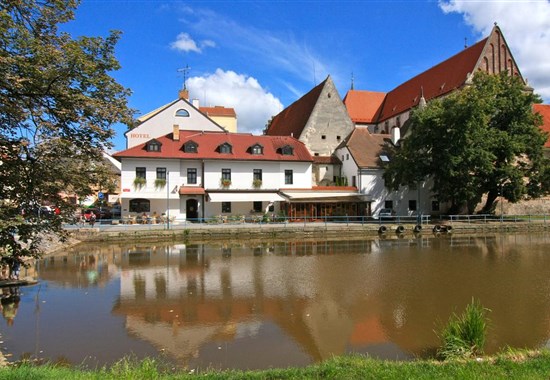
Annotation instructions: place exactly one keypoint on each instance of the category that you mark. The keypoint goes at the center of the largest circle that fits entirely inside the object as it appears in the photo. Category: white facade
(241, 193)
(161, 122)
(370, 182)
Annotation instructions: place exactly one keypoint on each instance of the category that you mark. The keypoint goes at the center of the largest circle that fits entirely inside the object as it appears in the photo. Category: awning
(325, 196)
(191, 190)
(244, 197)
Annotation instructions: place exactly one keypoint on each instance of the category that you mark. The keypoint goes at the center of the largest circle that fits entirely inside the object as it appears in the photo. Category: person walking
(92, 219)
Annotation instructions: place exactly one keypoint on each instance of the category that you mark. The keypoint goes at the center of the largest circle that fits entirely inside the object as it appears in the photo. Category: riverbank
(517, 365)
(196, 232)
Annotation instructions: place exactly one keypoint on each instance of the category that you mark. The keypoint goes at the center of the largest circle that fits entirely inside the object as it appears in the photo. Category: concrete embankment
(204, 232)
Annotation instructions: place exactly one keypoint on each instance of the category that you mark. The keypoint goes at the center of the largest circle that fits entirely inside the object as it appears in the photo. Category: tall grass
(464, 335)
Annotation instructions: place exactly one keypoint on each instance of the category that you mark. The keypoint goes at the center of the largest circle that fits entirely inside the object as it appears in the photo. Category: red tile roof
(439, 80)
(218, 111)
(293, 119)
(326, 160)
(208, 143)
(544, 111)
(363, 106)
(366, 148)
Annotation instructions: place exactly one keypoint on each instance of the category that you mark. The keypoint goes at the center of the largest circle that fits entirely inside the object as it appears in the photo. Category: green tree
(481, 140)
(58, 103)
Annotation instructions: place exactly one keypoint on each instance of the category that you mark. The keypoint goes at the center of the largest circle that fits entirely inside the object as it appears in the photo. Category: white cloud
(185, 43)
(526, 27)
(253, 104)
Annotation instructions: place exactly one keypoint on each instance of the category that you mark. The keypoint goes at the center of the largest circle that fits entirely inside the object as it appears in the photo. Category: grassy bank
(522, 365)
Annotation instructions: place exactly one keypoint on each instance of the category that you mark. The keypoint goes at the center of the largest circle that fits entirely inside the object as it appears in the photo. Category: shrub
(160, 183)
(464, 335)
(139, 182)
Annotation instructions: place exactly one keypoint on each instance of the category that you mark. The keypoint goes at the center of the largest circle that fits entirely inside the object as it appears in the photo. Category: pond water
(260, 305)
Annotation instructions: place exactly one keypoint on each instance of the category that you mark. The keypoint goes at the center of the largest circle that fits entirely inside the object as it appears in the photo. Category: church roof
(439, 80)
(363, 106)
(292, 120)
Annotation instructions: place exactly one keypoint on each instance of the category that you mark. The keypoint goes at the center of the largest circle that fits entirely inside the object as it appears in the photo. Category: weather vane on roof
(185, 71)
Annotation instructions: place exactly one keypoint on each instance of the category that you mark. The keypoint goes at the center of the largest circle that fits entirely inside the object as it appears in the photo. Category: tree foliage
(58, 103)
(482, 140)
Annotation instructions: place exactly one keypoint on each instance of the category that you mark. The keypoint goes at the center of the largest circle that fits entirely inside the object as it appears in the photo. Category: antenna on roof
(185, 70)
(352, 80)
(465, 42)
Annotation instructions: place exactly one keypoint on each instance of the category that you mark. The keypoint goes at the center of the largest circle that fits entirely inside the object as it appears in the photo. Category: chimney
(176, 134)
(196, 103)
(183, 94)
(395, 135)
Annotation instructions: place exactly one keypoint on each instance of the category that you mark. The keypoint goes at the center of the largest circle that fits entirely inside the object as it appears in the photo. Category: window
(140, 205)
(338, 138)
(435, 205)
(226, 206)
(257, 206)
(398, 121)
(316, 154)
(388, 204)
(287, 150)
(257, 149)
(353, 181)
(182, 113)
(226, 174)
(347, 156)
(192, 176)
(225, 148)
(257, 174)
(342, 157)
(412, 204)
(153, 146)
(271, 207)
(384, 158)
(323, 137)
(161, 173)
(190, 147)
(289, 177)
(140, 172)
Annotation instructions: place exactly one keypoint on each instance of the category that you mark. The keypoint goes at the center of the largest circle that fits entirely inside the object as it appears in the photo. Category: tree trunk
(490, 204)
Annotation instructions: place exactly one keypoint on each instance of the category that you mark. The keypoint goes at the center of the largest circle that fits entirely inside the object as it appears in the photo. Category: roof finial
(465, 42)
(422, 101)
(185, 70)
(352, 80)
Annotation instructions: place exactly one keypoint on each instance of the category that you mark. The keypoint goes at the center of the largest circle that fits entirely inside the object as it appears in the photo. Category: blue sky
(260, 56)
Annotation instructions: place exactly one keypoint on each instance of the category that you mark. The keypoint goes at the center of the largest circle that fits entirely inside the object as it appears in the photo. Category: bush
(464, 335)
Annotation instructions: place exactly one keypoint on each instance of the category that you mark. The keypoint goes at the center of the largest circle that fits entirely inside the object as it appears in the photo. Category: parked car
(385, 213)
(102, 213)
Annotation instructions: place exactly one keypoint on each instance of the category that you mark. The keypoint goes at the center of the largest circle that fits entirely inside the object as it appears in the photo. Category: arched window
(287, 150)
(190, 147)
(153, 146)
(182, 113)
(140, 205)
(225, 148)
(257, 149)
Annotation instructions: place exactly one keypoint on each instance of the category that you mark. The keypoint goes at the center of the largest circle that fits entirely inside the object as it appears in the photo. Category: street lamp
(167, 200)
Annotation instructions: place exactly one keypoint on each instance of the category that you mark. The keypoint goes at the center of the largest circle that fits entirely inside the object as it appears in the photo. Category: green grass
(516, 365)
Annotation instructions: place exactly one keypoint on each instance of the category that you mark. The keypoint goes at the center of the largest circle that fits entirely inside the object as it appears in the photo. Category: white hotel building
(190, 174)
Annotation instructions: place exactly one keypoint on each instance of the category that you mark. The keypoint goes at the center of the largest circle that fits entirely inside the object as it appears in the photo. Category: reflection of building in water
(90, 266)
(185, 298)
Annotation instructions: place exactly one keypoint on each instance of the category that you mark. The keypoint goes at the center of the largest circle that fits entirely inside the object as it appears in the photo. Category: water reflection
(284, 304)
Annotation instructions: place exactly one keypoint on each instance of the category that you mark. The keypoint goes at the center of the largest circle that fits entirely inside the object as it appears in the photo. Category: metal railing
(250, 221)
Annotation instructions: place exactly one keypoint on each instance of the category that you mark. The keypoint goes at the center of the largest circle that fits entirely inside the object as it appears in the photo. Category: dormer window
(287, 150)
(153, 146)
(182, 113)
(190, 147)
(257, 149)
(225, 148)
